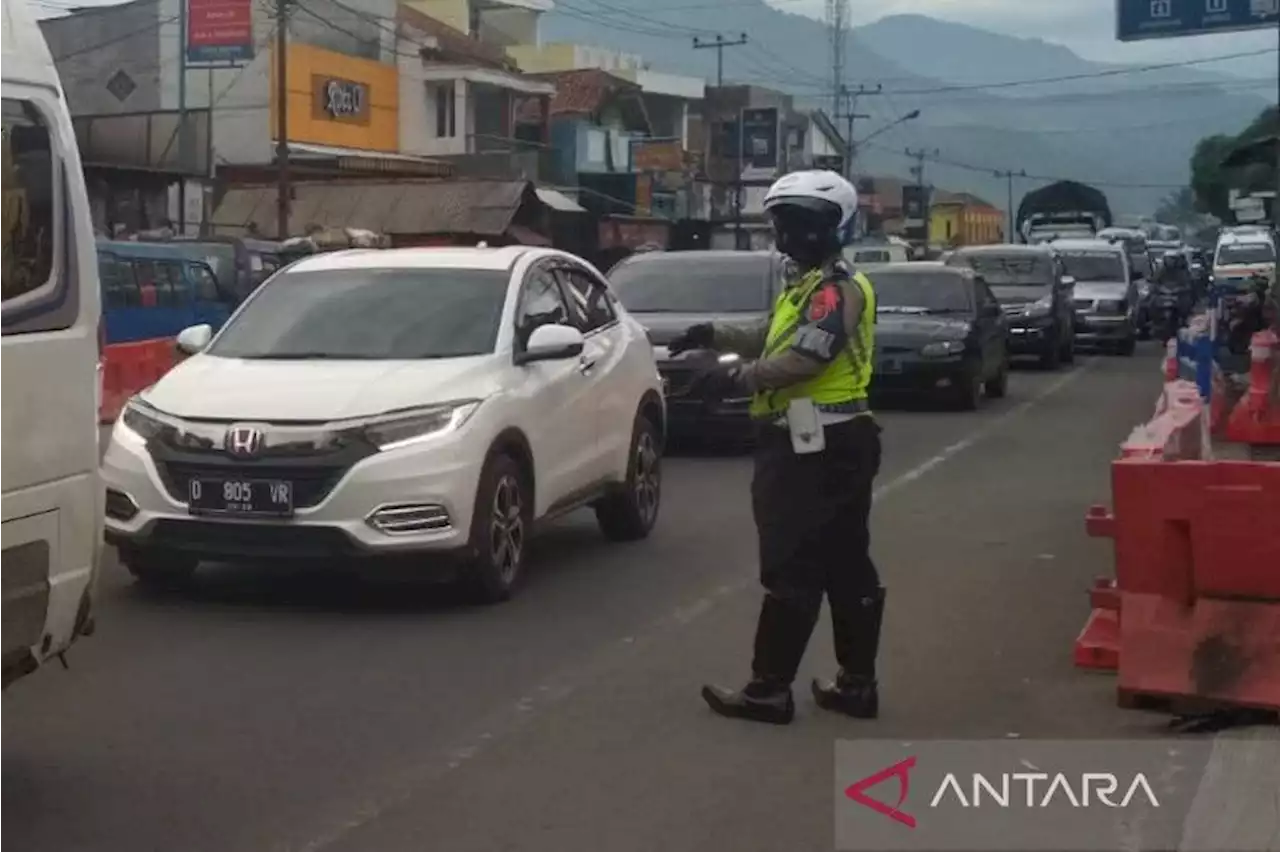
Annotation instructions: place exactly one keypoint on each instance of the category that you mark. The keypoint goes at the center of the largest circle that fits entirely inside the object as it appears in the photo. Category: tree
(1179, 208)
(1211, 183)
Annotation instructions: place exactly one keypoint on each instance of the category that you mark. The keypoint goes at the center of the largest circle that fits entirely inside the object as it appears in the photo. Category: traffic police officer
(817, 454)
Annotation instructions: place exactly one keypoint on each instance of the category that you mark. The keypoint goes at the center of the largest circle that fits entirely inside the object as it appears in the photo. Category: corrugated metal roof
(557, 200)
(422, 207)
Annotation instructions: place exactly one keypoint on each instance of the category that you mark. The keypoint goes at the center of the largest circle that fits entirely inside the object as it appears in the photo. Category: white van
(868, 254)
(49, 316)
(1242, 253)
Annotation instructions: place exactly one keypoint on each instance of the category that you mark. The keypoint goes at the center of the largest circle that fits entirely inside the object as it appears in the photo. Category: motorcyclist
(817, 454)
(1172, 296)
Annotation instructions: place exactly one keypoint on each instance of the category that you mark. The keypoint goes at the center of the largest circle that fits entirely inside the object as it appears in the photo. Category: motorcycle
(1168, 311)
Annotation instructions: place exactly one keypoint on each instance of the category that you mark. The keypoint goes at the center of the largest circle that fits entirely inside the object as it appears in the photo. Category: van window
(119, 285)
(29, 200)
(875, 256)
(205, 282)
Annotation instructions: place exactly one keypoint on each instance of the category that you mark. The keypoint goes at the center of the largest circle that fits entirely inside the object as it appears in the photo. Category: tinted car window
(932, 292)
(29, 215)
(1246, 253)
(1007, 270)
(1093, 266)
(541, 303)
(692, 284)
(369, 314)
(589, 305)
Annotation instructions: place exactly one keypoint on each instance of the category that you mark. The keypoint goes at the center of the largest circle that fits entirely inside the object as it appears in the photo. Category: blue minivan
(154, 290)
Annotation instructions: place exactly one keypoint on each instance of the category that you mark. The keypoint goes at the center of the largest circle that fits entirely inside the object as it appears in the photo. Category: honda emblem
(243, 441)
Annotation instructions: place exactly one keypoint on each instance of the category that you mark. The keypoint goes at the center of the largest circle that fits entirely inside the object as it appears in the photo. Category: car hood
(1101, 289)
(893, 327)
(205, 386)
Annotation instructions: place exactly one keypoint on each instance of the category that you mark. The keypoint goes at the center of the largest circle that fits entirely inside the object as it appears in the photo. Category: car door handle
(586, 365)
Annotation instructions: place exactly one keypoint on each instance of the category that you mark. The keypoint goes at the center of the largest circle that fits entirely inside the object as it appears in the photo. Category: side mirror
(194, 339)
(551, 342)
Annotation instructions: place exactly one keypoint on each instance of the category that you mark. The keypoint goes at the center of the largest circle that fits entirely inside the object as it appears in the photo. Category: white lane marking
(506, 722)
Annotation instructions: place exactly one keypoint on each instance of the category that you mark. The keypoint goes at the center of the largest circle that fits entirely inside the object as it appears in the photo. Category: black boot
(857, 639)
(759, 701)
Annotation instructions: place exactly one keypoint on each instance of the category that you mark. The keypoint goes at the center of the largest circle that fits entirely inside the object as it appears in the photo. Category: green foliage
(1211, 183)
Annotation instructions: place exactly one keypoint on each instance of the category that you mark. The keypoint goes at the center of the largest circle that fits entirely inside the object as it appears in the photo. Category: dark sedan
(939, 331)
(670, 291)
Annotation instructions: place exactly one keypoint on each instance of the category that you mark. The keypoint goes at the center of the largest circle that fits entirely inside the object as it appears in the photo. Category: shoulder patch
(824, 302)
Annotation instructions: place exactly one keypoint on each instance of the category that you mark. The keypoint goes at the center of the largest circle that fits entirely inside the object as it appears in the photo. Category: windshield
(692, 284)
(1246, 253)
(1093, 266)
(369, 314)
(1008, 270)
(926, 293)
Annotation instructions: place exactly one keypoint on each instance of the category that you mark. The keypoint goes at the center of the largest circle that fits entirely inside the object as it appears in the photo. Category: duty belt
(851, 408)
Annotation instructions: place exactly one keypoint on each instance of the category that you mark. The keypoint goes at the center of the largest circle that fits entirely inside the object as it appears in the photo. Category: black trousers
(811, 514)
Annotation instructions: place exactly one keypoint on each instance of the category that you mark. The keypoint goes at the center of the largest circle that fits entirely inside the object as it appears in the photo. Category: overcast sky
(1085, 26)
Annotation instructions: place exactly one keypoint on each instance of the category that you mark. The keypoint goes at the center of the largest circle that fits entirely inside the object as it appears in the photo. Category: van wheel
(157, 569)
(500, 531)
(630, 512)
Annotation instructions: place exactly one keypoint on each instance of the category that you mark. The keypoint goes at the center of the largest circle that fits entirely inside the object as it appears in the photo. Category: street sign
(1137, 20)
(760, 128)
(219, 31)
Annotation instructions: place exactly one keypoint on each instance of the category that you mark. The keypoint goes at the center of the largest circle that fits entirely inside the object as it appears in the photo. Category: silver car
(1106, 296)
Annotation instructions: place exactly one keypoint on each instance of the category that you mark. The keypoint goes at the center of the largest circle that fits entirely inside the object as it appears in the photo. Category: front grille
(311, 483)
(252, 540)
(1083, 304)
(1112, 307)
(1011, 309)
(677, 380)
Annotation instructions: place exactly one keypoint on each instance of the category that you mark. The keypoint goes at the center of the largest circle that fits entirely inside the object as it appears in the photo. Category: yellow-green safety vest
(846, 378)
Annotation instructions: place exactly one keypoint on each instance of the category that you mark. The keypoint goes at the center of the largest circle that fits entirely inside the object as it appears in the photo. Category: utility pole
(851, 100)
(917, 171)
(718, 46)
(184, 144)
(1009, 175)
(282, 120)
(837, 20)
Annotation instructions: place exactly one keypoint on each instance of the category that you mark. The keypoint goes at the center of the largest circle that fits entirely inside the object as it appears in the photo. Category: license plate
(891, 365)
(272, 497)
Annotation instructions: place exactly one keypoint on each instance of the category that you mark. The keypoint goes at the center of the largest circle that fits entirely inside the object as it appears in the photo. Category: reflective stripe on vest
(846, 378)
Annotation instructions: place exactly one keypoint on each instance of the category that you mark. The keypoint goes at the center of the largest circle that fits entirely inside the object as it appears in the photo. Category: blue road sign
(1143, 19)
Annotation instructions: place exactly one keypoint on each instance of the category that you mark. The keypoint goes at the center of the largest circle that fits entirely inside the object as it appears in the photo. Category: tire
(630, 512)
(500, 530)
(1127, 347)
(157, 569)
(969, 396)
(997, 387)
(1051, 358)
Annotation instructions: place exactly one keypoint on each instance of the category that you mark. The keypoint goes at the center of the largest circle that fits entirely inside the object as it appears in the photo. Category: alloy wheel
(506, 528)
(648, 478)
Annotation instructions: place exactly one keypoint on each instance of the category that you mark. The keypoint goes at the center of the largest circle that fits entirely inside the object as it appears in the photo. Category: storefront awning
(364, 160)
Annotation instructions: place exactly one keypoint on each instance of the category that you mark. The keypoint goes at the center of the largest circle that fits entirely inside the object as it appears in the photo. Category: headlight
(143, 420)
(943, 348)
(408, 427)
(729, 358)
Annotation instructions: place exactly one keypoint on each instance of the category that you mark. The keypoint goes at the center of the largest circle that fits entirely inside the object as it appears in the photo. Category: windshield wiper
(901, 309)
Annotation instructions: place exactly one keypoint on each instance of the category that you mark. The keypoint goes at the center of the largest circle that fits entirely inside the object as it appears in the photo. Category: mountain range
(1129, 133)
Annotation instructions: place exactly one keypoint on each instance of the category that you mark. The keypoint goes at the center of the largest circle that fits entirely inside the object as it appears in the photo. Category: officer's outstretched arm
(825, 329)
(745, 340)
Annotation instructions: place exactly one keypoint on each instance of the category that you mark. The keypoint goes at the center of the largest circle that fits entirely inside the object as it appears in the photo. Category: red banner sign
(219, 31)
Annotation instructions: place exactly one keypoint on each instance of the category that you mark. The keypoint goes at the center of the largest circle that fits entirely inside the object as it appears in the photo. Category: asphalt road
(289, 711)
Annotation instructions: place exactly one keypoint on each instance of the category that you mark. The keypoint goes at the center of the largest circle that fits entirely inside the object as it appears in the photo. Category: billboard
(760, 138)
(219, 31)
(915, 212)
(1146, 19)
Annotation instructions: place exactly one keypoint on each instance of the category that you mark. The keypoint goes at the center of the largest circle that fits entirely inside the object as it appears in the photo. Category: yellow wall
(964, 225)
(379, 132)
(546, 59)
(944, 223)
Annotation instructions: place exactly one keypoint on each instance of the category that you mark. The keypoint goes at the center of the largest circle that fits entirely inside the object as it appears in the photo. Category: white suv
(403, 403)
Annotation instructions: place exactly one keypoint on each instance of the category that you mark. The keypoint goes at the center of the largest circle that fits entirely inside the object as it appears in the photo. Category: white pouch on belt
(807, 434)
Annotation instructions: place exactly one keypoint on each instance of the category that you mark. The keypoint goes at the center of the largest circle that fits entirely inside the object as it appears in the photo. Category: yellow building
(961, 219)
(340, 100)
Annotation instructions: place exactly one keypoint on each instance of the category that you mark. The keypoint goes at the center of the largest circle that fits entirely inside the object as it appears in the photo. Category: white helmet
(810, 189)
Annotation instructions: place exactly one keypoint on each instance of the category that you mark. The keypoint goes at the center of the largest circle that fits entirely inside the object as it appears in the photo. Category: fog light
(120, 506)
(404, 518)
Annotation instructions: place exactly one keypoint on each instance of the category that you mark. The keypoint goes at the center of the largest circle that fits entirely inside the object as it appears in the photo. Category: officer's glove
(700, 336)
(718, 382)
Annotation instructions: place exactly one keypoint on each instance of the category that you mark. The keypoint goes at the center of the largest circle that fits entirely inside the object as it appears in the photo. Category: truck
(1060, 210)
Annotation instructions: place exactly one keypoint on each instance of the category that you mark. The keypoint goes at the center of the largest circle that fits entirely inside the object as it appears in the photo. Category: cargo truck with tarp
(1062, 210)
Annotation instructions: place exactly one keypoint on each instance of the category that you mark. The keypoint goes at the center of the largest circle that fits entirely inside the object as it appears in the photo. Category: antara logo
(1007, 790)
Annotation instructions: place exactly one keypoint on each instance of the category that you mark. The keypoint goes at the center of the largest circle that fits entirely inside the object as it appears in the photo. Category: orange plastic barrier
(1256, 418)
(128, 368)
(1174, 431)
(1197, 589)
